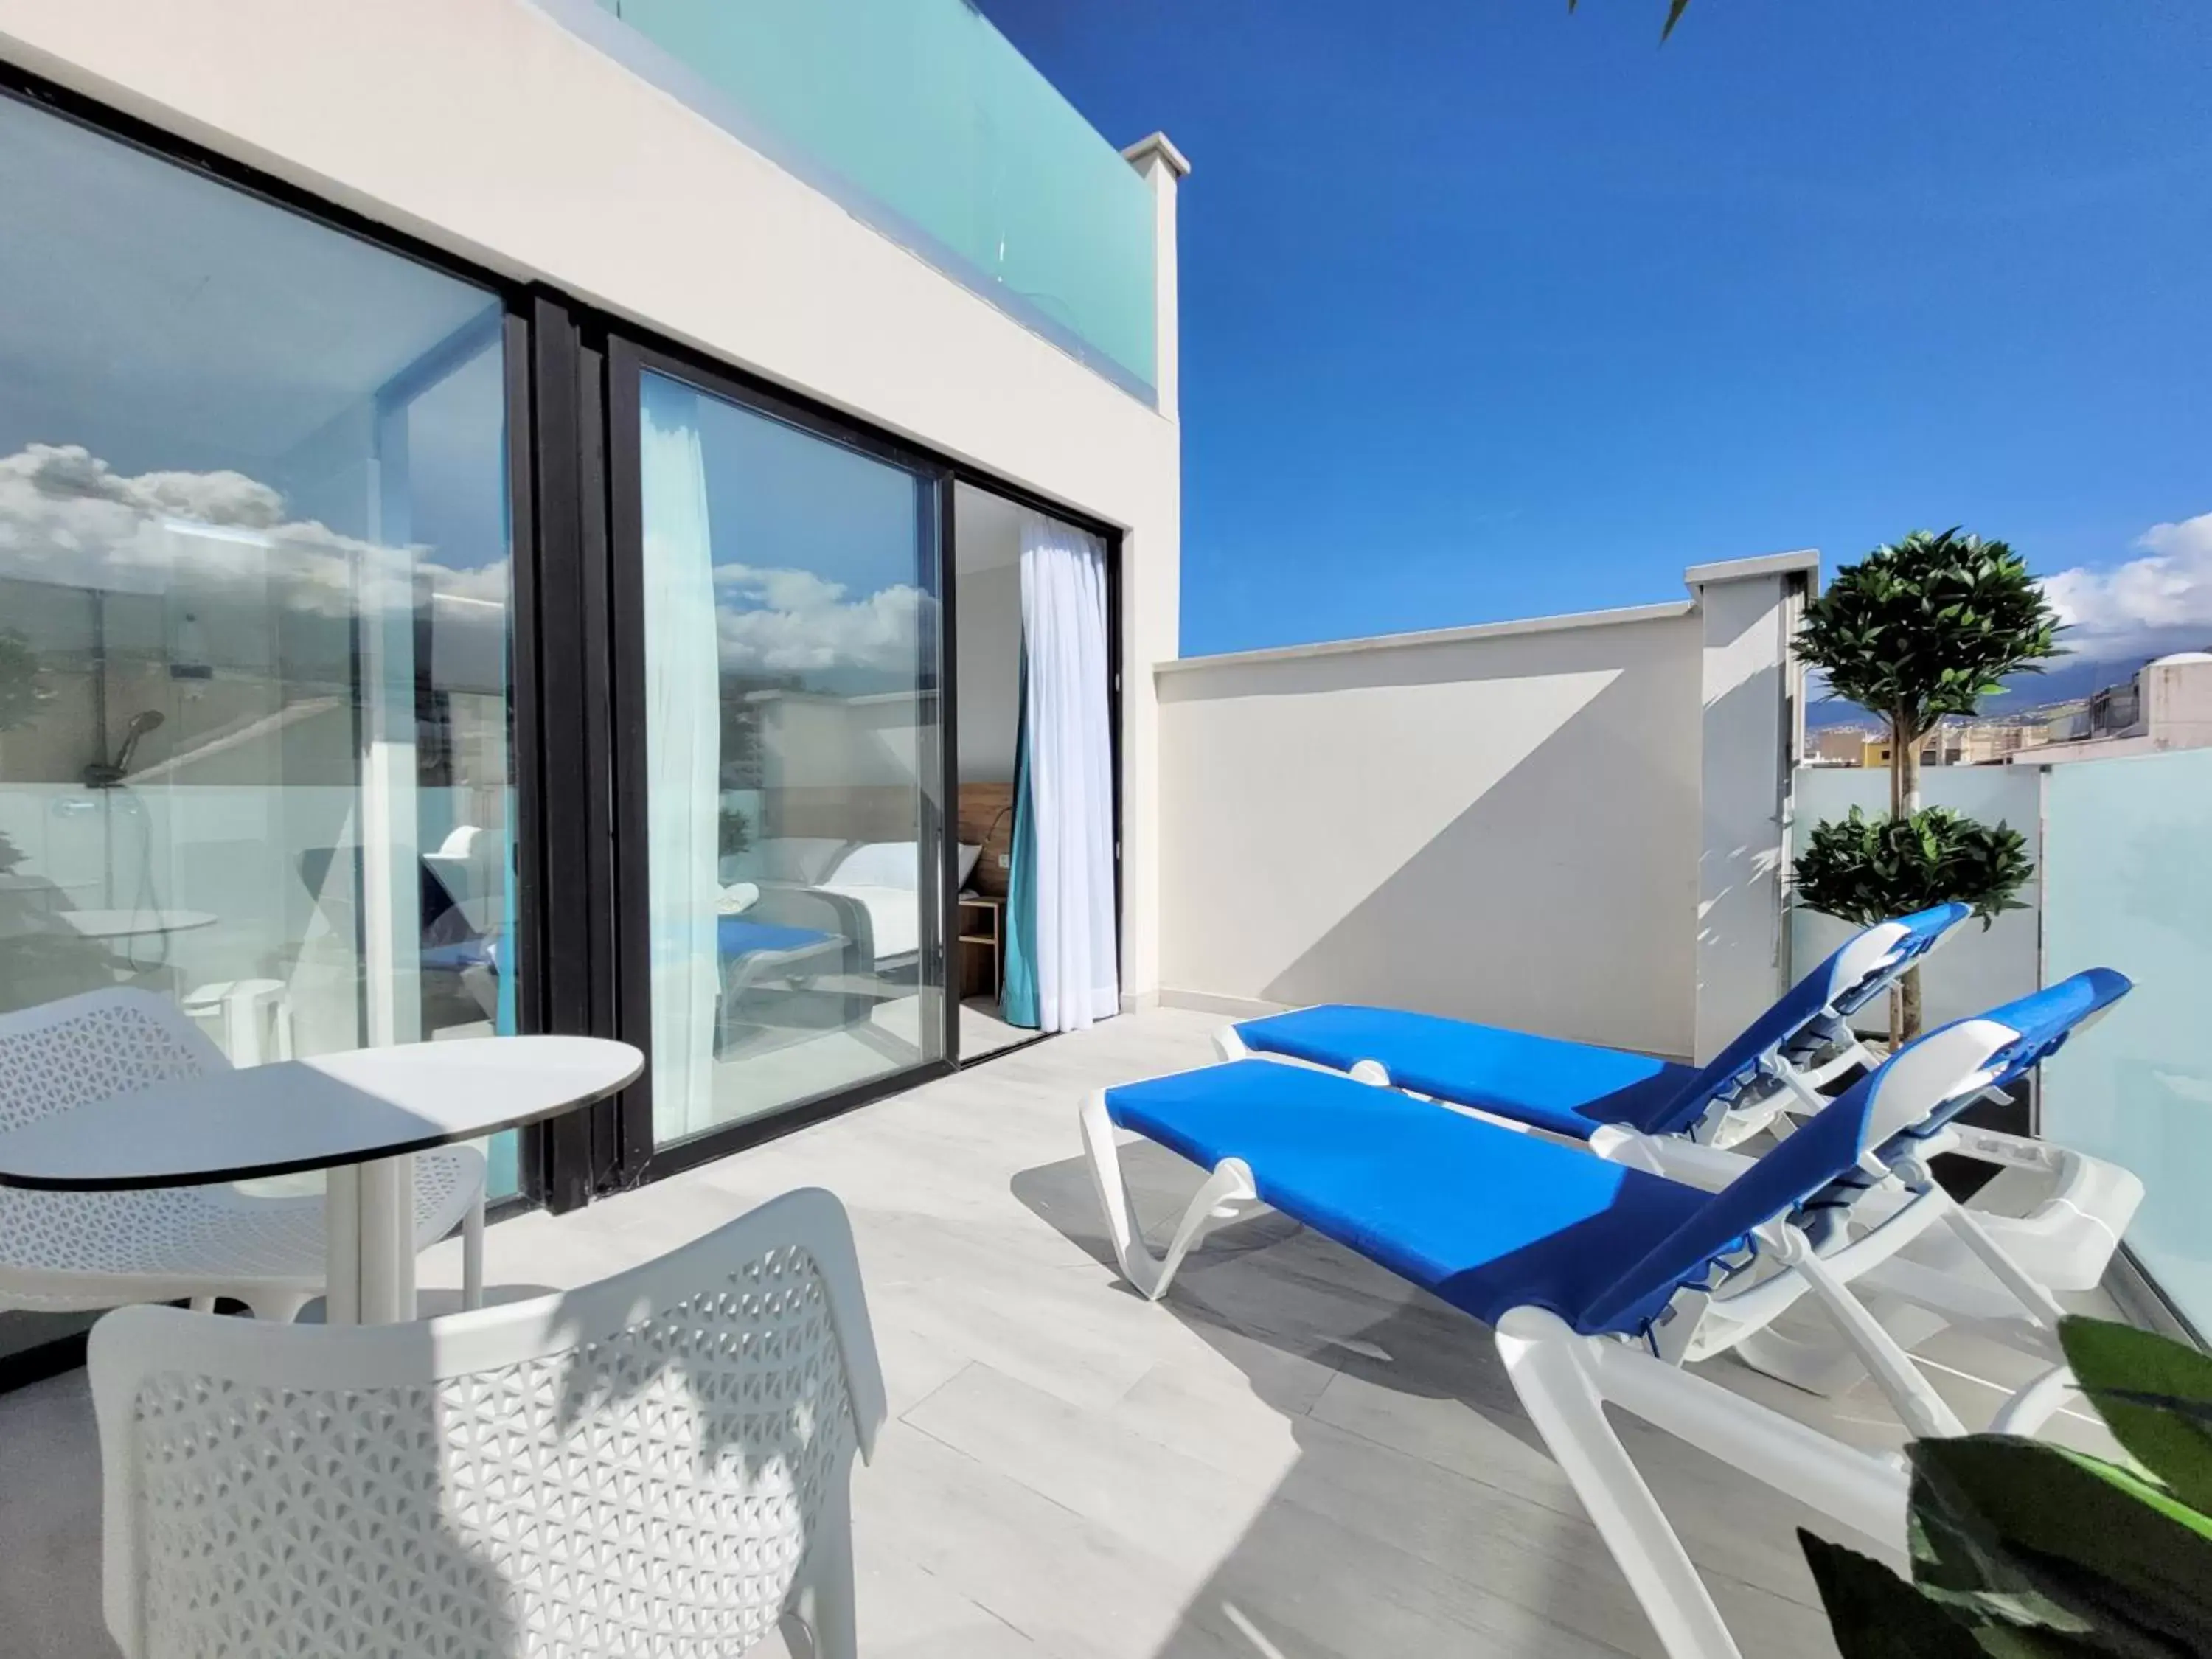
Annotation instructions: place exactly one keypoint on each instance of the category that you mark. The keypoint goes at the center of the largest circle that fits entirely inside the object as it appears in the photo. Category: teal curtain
(1019, 1004)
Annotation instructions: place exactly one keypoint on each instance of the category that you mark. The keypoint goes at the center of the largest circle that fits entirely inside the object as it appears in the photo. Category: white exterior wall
(1496, 823)
(1574, 826)
(1752, 701)
(2177, 694)
(484, 127)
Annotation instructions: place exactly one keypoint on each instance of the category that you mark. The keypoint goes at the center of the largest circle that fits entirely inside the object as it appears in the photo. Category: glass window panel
(2126, 885)
(792, 742)
(254, 607)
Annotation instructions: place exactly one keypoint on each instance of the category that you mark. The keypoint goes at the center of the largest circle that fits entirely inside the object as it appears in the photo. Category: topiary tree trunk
(1904, 803)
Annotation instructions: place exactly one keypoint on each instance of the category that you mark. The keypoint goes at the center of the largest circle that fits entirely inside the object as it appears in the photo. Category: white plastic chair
(657, 1463)
(63, 1252)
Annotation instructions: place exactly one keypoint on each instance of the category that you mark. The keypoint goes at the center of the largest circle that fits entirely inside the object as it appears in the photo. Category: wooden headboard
(984, 821)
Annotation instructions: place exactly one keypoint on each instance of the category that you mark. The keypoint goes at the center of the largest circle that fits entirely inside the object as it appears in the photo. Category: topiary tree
(736, 833)
(23, 688)
(1867, 869)
(1916, 631)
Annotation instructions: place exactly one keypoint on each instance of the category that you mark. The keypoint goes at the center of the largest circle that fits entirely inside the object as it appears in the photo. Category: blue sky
(1492, 312)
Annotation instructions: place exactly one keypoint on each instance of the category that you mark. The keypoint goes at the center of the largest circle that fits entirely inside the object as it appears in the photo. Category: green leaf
(2155, 1394)
(1867, 869)
(1877, 1615)
(2023, 1533)
(1929, 626)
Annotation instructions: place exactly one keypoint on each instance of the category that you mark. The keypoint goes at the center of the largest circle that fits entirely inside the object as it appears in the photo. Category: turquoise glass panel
(2127, 883)
(924, 119)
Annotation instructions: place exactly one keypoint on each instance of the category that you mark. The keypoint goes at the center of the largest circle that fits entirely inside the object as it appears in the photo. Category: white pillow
(879, 864)
(738, 898)
(967, 857)
(805, 860)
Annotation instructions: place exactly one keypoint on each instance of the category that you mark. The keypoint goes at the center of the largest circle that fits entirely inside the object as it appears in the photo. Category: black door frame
(625, 1123)
(630, 355)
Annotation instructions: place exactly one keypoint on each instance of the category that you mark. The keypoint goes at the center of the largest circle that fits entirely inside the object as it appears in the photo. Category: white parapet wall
(1572, 826)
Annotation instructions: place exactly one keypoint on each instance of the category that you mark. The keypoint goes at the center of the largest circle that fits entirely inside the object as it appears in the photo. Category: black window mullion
(944, 534)
(572, 926)
(631, 938)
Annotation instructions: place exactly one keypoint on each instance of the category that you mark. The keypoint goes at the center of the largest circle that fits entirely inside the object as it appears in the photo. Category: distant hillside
(2068, 680)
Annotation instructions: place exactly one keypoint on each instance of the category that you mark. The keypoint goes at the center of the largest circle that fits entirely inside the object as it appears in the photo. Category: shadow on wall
(1419, 1502)
(1739, 964)
(1502, 828)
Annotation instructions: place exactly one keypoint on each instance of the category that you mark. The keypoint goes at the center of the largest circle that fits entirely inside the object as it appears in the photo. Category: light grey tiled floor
(1293, 1457)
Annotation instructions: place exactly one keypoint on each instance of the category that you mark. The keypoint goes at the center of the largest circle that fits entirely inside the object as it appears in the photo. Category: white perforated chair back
(656, 1463)
(63, 1250)
(61, 1056)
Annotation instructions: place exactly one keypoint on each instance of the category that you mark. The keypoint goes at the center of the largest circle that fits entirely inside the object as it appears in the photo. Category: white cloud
(782, 621)
(67, 517)
(2160, 601)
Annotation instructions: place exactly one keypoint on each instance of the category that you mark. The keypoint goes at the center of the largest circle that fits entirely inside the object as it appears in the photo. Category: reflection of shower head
(106, 775)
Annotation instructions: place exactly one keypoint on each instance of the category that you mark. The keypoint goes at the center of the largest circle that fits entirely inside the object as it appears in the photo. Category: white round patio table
(361, 1115)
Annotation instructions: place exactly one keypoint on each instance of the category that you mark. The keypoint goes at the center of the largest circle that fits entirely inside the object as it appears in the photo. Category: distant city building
(1838, 745)
(1941, 747)
(2168, 704)
(1987, 742)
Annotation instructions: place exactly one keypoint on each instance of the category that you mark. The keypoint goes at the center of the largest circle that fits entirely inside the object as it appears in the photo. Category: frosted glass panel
(921, 117)
(2128, 884)
(1974, 969)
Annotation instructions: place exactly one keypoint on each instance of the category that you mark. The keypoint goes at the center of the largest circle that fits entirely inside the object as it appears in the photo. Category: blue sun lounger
(1602, 1279)
(1779, 1062)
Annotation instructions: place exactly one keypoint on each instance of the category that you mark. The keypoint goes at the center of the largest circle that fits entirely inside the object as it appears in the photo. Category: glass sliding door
(793, 765)
(254, 611)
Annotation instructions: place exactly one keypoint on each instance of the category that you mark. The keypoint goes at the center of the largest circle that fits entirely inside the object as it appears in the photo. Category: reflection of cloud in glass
(68, 517)
(781, 620)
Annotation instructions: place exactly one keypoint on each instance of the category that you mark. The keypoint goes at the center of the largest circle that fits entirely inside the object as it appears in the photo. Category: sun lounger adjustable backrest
(1859, 970)
(2041, 1023)
(1818, 1169)
(2026, 1031)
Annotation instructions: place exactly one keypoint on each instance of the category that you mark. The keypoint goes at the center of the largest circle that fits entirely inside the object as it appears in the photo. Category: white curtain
(683, 746)
(1068, 734)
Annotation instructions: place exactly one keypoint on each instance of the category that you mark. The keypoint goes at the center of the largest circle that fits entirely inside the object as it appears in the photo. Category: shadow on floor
(1421, 1499)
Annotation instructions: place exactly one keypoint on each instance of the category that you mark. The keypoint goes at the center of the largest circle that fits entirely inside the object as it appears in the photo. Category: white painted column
(1151, 563)
(1752, 730)
(1163, 167)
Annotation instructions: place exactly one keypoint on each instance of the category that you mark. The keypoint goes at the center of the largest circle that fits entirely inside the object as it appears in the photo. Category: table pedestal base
(369, 1217)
